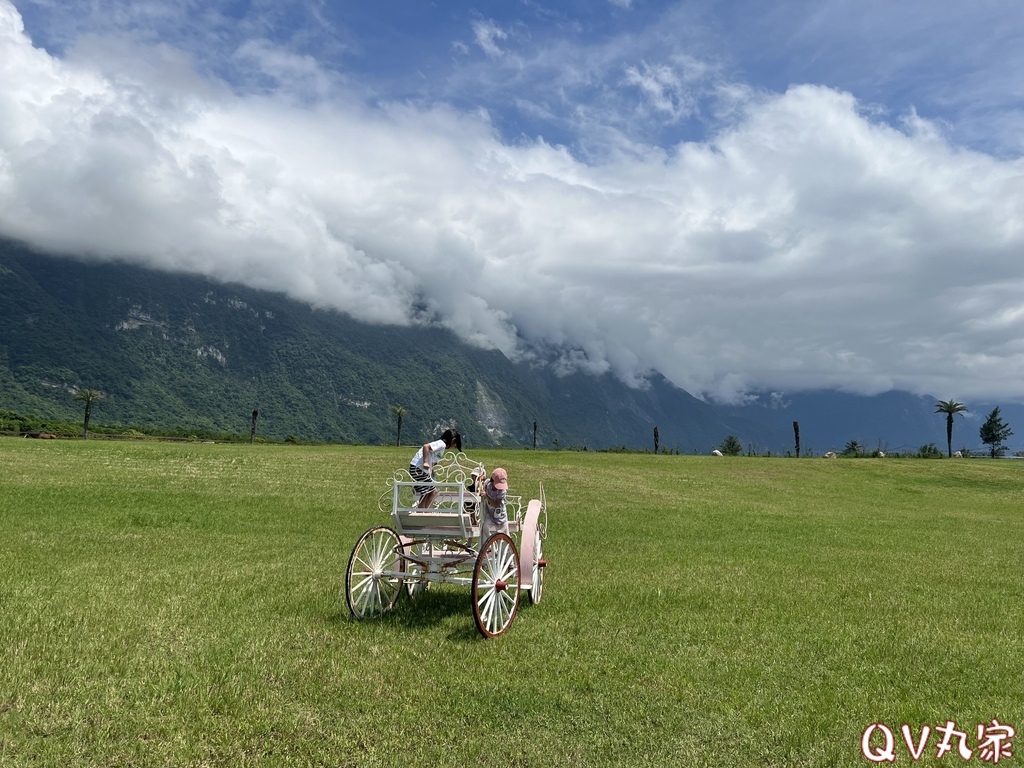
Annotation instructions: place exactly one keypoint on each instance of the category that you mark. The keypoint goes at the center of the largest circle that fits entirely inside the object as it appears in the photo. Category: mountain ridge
(178, 350)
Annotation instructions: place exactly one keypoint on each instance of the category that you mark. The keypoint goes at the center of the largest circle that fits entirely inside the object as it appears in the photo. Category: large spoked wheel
(496, 585)
(537, 589)
(414, 587)
(373, 581)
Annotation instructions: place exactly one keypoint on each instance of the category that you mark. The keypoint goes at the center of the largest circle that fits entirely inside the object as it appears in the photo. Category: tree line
(994, 432)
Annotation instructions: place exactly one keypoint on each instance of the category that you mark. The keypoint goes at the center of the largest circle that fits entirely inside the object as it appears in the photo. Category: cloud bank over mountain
(806, 239)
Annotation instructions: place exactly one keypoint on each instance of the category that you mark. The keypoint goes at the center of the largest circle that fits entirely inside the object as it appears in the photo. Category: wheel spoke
(506, 602)
(358, 596)
(369, 599)
(359, 584)
(508, 561)
(497, 563)
(502, 611)
(379, 545)
(485, 601)
(485, 607)
(365, 595)
(493, 618)
(485, 617)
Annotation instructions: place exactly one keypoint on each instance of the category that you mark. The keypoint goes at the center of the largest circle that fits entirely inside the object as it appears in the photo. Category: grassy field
(181, 605)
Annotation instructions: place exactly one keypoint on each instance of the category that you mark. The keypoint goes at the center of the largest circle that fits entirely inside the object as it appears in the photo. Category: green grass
(181, 605)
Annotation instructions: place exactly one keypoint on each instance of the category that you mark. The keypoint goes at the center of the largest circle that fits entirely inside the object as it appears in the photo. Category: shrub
(731, 446)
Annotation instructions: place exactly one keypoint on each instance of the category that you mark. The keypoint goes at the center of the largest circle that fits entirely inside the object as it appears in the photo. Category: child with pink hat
(494, 520)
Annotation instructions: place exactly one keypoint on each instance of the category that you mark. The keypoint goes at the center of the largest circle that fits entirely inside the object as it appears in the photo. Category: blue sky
(649, 69)
(741, 195)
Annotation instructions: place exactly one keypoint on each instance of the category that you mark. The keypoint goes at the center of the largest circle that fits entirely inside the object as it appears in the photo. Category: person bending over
(422, 464)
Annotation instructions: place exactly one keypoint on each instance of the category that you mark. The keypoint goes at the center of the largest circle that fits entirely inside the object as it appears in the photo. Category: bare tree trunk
(655, 440)
(535, 435)
(252, 432)
(796, 434)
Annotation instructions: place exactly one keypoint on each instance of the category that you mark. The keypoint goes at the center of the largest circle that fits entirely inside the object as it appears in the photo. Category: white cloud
(620, 92)
(302, 73)
(805, 245)
(663, 89)
(487, 34)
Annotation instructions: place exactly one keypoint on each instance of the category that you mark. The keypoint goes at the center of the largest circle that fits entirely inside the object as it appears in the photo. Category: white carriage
(441, 545)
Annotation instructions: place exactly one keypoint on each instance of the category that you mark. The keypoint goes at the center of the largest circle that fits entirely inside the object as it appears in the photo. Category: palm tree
(88, 396)
(399, 411)
(949, 407)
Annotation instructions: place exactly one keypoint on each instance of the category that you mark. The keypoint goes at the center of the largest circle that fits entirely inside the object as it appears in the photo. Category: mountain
(182, 351)
(179, 351)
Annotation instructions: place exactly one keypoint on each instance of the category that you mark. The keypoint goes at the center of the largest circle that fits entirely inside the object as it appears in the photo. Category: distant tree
(950, 408)
(399, 411)
(796, 434)
(88, 396)
(731, 446)
(994, 433)
(853, 448)
(252, 432)
(655, 440)
(929, 451)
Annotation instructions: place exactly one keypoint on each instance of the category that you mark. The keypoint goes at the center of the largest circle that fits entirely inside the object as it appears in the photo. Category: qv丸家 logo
(993, 744)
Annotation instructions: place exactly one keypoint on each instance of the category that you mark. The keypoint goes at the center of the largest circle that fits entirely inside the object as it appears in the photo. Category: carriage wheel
(496, 586)
(413, 586)
(537, 589)
(373, 581)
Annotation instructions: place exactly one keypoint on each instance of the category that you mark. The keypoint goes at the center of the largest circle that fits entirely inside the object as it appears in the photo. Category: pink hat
(499, 479)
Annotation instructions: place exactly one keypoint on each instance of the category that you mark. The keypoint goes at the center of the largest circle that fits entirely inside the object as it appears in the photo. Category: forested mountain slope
(178, 351)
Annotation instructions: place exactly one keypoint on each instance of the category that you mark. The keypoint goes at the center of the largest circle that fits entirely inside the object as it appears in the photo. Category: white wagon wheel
(496, 585)
(539, 564)
(373, 580)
